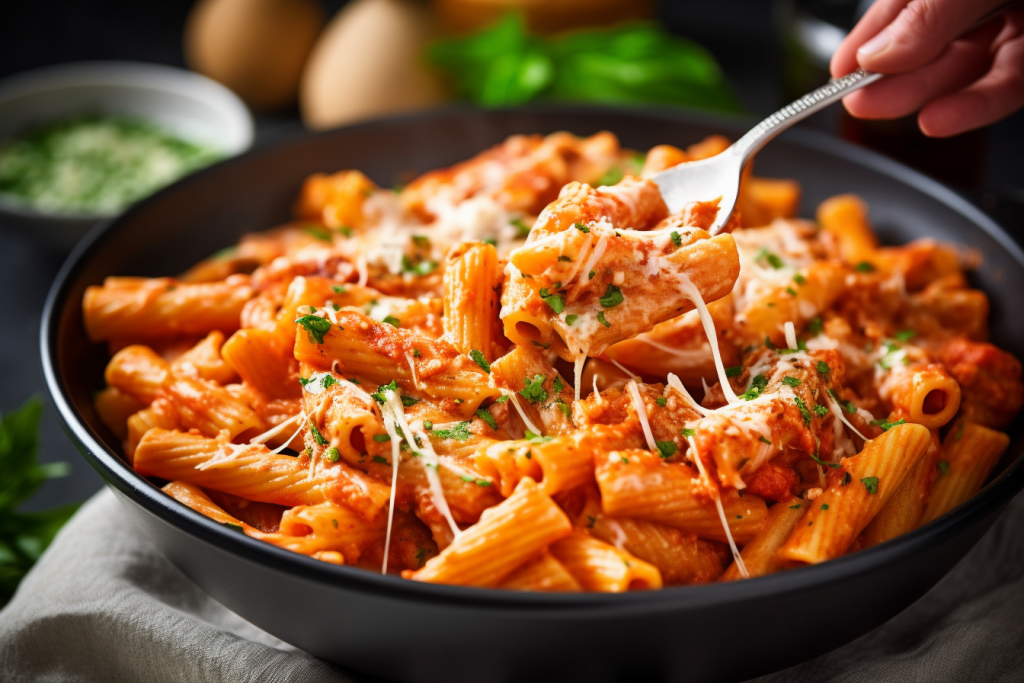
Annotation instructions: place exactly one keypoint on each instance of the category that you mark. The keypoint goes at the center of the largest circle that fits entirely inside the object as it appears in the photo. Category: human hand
(956, 81)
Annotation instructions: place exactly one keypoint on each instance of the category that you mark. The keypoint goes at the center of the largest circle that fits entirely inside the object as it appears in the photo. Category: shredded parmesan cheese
(790, 334)
(274, 431)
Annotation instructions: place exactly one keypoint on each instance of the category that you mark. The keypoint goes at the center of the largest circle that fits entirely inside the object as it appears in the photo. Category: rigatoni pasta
(512, 375)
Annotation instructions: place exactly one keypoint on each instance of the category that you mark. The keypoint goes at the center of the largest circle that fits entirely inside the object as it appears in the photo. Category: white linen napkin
(104, 605)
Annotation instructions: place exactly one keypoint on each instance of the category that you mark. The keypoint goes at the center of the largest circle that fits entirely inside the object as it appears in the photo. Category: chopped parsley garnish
(501, 399)
(772, 260)
(687, 432)
(799, 279)
(415, 353)
(820, 410)
(757, 386)
(332, 454)
(846, 479)
(316, 327)
(821, 462)
(601, 319)
(554, 301)
(804, 413)
(591, 275)
(409, 401)
(791, 292)
(666, 448)
(612, 297)
(339, 289)
(392, 320)
(790, 381)
(381, 460)
(582, 228)
(557, 384)
(421, 240)
(768, 343)
(886, 426)
(815, 326)
(734, 371)
(796, 507)
(848, 406)
(486, 416)
(570, 319)
(319, 234)
(824, 506)
(534, 391)
(536, 438)
(893, 354)
(522, 229)
(233, 527)
(382, 438)
(539, 345)
(491, 241)
(823, 368)
(590, 523)
(661, 401)
(353, 380)
(317, 436)
(871, 484)
(428, 425)
(478, 358)
(905, 335)
(564, 259)
(764, 440)
(344, 230)
(459, 432)
(562, 406)
(380, 395)
(864, 267)
(943, 466)
(676, 239)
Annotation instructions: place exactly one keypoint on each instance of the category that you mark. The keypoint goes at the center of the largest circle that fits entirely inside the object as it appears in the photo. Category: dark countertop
(38, 34)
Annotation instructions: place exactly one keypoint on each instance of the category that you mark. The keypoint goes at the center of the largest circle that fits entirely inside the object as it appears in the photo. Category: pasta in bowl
(488, 378)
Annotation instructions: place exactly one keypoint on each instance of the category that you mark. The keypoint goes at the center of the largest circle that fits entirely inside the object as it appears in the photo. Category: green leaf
(24, 536)
(459, 432)
(666, 448)
(486, 416)
(534, 391)
(478, 358)
(871, 484)
(612, 297)
(554, 301)
(315, 326)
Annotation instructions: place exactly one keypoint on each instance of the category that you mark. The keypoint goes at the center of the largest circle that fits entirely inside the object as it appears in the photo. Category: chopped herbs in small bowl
(81, 142)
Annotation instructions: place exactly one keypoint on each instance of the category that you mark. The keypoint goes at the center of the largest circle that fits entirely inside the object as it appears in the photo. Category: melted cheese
(791, 341)
(526, 420)
(302, 425)
(578, 374)
(389, 427)
(274, 431)
(675, 383)
(693, 294)
(641, 412)
(716, 494)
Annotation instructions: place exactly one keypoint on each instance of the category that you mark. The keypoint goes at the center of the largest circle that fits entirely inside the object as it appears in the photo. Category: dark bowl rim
(118, 474)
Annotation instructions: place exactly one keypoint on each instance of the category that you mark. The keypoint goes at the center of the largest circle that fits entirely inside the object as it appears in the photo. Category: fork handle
(837, 88)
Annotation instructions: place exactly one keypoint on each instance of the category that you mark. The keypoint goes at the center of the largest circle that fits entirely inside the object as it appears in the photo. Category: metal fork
(719, 176)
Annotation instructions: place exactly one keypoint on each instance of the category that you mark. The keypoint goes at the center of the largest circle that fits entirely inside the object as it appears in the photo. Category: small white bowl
(189, 105)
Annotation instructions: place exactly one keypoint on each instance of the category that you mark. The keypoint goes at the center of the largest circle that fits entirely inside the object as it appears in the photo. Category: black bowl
(410, 631)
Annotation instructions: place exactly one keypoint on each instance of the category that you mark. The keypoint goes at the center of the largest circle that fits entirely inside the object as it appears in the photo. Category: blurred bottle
(543, 16)
(813, 30)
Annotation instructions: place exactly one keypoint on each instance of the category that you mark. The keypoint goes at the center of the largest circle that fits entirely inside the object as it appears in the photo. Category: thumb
(920, 33)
